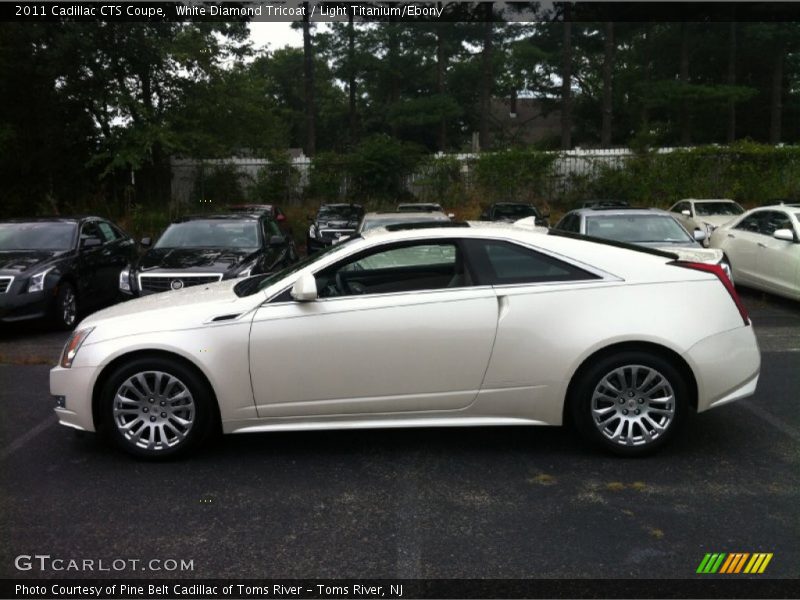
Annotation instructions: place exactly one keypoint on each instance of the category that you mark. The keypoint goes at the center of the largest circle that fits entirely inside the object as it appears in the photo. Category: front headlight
(312, 232)
(73, 345)
(36, 283)
(125, 280)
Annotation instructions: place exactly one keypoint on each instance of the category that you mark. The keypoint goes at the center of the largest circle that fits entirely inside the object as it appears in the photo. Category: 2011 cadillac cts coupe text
(443, 326)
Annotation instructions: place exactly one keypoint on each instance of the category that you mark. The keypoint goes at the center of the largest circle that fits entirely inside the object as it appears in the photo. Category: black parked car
(509, 212)
(332, 222)
(208, 248)
(59, 268)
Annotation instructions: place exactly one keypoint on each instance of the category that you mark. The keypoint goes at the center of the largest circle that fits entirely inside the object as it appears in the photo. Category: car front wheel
(65, 311)
(630, 403)
(156, 408)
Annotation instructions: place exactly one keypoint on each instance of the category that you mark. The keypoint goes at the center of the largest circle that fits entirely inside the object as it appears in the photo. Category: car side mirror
(786, 235)
(91, 242)
(146, 242)
(451, 216)
(686, 213)
(305, 288)
(277, 240)
(699, 235)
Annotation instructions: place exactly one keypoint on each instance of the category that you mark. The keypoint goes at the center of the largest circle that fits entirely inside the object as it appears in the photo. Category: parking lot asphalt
(513, 502)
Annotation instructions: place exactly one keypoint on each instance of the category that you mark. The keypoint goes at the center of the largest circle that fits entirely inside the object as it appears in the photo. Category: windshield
(37, 236)
(418, 207)
(252, 285)
(210, 233)
(340, 213)
(707, 209)
(637, 229)
(518, 211)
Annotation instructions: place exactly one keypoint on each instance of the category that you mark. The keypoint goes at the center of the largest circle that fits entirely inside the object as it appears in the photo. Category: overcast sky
(276, 35)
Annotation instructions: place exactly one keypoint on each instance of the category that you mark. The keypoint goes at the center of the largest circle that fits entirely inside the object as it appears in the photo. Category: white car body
(471, 355)
(697, 219)
(757, 257)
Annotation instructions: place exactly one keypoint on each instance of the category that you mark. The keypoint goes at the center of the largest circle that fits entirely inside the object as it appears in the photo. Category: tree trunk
(608, 97)
(566, 82)
(486, 78)
(441, 67)
(308, 80)
(776, 104)
(685, 129)
(731, 133)
(351, 76)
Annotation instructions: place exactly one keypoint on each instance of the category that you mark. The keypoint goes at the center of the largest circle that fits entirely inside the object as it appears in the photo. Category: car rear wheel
(65, 311)
(156, 408)
(630, 403)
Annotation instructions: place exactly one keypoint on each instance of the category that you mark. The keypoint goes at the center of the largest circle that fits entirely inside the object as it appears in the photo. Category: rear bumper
(726, 366)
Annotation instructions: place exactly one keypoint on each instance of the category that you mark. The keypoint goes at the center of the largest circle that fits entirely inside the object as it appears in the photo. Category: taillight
(717, 270)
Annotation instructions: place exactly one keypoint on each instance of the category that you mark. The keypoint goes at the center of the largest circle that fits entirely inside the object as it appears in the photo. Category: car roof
(341, 205)
(618, 211)
(405, 216)
(512, 204)
(708, 200)
(73, 219)
(223, 217)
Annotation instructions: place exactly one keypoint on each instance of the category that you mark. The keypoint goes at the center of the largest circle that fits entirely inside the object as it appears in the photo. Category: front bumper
(726, 365)
(75, 386)
(22, 307)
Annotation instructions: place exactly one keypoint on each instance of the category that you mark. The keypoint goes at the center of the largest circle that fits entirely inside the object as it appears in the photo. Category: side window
(504, 263)
(271, 228)
(773, 220)
(109, 235)
(751, 223)
(396, 268)
(90, 229)
(570, 223)
(680, 207)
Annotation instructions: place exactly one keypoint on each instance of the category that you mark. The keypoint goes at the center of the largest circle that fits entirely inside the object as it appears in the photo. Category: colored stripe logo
(734, 563)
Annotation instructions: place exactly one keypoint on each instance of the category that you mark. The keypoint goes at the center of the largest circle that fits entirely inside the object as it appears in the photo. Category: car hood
(181, 309)
(217, 260)
(19, 261)
(715, 220)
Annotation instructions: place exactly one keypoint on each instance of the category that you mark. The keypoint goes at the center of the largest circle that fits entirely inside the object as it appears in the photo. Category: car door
(778, 260)
(527, 370)
(116, 253)
(397, 328)
(740, 244)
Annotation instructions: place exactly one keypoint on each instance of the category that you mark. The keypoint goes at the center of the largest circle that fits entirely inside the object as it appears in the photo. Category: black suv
(208, 248)
(332, 222)
(508, 212)
(60, 267)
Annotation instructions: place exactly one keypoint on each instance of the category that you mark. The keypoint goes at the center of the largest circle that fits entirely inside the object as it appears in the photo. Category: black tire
(65, 309)
(160, 411)
(645, 404)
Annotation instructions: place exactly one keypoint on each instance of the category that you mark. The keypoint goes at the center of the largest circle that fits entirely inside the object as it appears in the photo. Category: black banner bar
(403, 11)
(735, 586)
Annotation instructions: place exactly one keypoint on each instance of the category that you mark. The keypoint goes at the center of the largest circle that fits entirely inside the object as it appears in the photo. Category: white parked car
(763, 248)
(459, 325)
(705, 214)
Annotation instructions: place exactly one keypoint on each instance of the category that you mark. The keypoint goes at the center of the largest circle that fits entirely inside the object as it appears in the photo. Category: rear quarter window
(505, 263)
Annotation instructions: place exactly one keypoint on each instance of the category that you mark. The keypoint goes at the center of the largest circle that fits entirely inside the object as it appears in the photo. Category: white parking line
(774, 421)
(27, 437)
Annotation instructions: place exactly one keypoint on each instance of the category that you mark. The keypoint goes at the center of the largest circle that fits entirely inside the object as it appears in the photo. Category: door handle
(730, 235)
(760, 245)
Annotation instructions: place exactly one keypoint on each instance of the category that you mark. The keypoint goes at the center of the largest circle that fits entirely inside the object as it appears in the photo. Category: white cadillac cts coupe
(419, 326)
